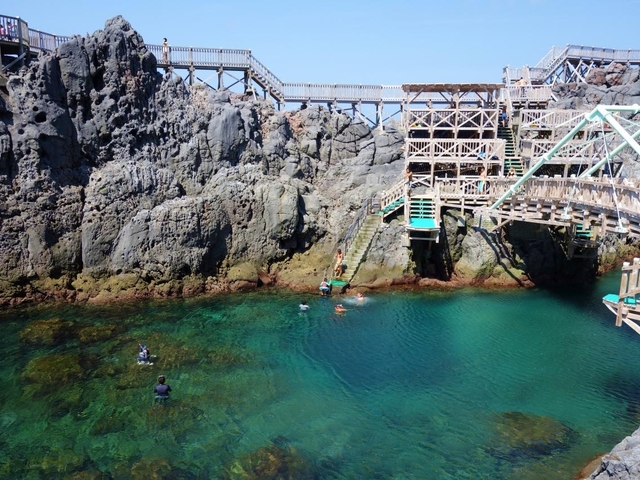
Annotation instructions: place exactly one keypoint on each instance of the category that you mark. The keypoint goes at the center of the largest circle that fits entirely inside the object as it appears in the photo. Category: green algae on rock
(47, 332)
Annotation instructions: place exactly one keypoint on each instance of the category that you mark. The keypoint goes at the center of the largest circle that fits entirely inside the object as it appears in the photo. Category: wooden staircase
(392, 199)
(511, 157)
(359, 247)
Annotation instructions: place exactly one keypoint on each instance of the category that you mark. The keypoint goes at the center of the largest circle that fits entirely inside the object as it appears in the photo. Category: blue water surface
(469, 384)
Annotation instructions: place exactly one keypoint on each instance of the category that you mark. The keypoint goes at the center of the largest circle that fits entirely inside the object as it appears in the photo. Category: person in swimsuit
(325, 288)
(339, 259)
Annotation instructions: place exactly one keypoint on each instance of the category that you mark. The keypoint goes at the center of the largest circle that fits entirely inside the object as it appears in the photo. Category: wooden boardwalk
(20, 42)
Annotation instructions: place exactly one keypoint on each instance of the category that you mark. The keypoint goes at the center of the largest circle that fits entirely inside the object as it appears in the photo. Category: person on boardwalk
(162, 390)
(408, 178)
(338, 269)
(482, 184)
(165, 51)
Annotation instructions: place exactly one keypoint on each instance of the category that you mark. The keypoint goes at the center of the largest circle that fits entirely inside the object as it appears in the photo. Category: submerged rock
(47, 332)
(272, 462)
(54, 370)
(521, 437)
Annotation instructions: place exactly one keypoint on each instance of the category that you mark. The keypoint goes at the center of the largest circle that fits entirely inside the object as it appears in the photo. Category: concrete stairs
(358, 249)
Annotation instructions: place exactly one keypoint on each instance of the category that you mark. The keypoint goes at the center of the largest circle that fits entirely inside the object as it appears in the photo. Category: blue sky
(361, 42)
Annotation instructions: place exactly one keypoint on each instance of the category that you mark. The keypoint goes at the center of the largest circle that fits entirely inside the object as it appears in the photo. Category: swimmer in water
(144, 355)
(339, 308)
(162, 390)
(303, 306)
(360, 296)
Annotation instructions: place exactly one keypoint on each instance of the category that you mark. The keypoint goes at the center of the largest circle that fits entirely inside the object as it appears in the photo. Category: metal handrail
(354, 228)
(259, 68)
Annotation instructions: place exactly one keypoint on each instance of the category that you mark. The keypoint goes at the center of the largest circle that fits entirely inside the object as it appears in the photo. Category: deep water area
(467, 384)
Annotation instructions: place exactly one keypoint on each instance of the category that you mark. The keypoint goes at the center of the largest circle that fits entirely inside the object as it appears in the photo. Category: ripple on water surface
(469, 384)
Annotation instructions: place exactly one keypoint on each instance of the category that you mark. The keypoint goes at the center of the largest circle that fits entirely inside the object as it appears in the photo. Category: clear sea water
(469, 384)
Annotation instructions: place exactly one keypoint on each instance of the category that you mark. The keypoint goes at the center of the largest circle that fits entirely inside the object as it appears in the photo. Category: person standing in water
(162, 390)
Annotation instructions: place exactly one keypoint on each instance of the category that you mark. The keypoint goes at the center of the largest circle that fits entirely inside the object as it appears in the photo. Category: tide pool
(403, 385)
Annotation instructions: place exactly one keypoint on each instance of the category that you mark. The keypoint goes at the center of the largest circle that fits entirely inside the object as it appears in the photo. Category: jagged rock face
(108, 167)
(614, 85)
(622, 463)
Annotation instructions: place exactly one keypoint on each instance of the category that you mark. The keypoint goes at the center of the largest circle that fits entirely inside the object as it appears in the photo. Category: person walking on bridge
(166, 48)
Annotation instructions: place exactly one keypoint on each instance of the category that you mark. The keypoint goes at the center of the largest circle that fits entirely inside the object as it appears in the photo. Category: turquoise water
(463, 385)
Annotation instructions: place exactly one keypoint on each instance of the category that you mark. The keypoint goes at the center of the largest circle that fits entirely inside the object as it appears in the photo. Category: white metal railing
(455, 149)
(603, 54)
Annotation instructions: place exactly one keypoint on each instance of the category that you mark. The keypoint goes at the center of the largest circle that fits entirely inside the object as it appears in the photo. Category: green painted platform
(426, 223)
(337, 283)
(613, 298)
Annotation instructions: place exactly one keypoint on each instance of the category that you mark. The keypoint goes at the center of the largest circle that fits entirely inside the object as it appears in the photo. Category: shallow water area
(448, 385)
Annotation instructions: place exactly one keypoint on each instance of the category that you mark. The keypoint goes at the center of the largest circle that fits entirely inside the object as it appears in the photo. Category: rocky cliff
(114, 176)
(118, 180)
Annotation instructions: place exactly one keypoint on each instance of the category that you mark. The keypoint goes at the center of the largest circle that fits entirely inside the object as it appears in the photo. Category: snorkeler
(143, 354)
(303, 306)
(162, 390)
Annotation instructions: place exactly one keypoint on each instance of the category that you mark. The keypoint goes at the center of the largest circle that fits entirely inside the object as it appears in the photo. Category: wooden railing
(472, 187)
(393, 194)
(451, 118)
(334, 92)
(205, 57)
(550, 119)
(577, 150)
(454, 149)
